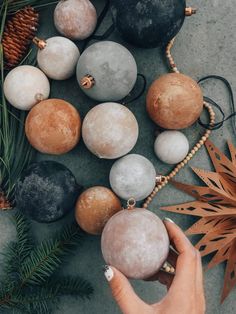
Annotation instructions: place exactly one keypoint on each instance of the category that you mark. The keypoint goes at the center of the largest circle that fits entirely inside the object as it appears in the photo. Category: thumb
(123, 292)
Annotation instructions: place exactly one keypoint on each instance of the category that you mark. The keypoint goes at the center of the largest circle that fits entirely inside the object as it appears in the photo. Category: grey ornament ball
(106, 71)
(58, 58)
(25, 86)
(133, 176)
(171, 147)
(110, 130)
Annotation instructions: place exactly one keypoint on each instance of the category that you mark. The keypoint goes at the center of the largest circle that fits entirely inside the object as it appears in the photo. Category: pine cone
(18, 34)
(4, 204)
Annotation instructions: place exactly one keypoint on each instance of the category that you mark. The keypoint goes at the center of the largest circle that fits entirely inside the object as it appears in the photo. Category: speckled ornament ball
(110, 130)
(148, 23)
(136, 242)
(53, 127)
(75, 19)
(57, 57)
(46, 191)
(133, 176)
(174, 101)
(106, 71)
(94, 208)
(25, 86)
(171, 147)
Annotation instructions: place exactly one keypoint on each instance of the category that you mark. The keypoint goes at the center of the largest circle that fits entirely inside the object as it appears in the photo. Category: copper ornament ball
(136, 242)
(75, 19)
(94, 208)
(53, 127)
(174, 101)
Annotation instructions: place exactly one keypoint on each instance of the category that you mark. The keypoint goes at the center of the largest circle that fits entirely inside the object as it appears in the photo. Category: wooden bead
(172, 270)
(198, 145)
(145, 205)
(167, 269)
(204, 138)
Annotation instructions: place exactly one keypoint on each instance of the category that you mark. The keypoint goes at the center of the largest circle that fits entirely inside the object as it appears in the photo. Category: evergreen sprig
(31, 283)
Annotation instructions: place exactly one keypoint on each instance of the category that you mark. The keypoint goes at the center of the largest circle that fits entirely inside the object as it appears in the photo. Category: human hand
(185, 290)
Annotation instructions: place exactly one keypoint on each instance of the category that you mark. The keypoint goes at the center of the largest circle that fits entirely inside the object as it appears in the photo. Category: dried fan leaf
(216, 205)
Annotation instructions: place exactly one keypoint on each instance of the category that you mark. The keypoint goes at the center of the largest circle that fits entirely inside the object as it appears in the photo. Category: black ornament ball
(148, 23)
(46, 191)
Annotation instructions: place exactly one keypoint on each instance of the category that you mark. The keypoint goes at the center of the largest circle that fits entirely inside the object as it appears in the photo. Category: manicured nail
(168, 219)
(108, 272)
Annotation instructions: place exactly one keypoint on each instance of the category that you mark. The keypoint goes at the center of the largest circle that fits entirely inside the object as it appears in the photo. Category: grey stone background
(205, 45)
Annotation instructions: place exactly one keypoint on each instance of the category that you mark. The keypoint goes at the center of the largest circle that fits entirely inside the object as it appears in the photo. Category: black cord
(126, 102)
(219, 124)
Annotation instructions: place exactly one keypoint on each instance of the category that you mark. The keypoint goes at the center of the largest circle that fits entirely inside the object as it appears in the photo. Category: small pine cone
(4, 203)
(18, 34)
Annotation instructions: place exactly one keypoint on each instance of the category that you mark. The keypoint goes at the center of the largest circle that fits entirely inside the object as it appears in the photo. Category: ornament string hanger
(163, 180)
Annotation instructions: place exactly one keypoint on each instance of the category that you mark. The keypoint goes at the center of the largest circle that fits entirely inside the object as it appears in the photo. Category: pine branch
(48, 256)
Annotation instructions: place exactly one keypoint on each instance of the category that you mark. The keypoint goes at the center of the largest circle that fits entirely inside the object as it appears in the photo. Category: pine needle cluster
(31, 283)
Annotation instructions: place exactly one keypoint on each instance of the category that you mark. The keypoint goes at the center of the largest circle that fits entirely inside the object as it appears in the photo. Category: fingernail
(168, 219)
(108, 272)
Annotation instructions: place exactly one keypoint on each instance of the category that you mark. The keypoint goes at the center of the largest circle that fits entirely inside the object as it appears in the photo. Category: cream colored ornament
(25, 86)
(57, 57)
(110, 130)
(171, 147)
(75, 19)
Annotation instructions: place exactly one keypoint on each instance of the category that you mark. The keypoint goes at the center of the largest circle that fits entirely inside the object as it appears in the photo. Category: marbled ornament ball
(53, 126)
(135, 242)
(75, 19)
(46, 191)
(111, 70)
(133, 176)
(110, 130)
(174, 101)
(25, 86)
(171, 147)
(58, 58)
(148, 23)
(94, 208)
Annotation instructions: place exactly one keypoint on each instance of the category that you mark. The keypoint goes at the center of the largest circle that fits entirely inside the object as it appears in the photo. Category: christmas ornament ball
(148, 23)
(94, 207)
(110, 130)
(136, 242)
(106, 71)
(75, 19)
(57, 57)
(171, 147)
(53, 127)
(46, 191)
(174, 101)
(133, 176)
(25, 86)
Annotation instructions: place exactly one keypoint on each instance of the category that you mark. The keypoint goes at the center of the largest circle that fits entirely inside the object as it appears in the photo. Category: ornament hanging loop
(87, 81)
(40, 43)
(131, 203)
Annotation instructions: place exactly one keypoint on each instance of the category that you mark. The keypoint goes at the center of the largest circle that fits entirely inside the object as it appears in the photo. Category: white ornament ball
(25, 86)
(133, 176)
(110, 130)
(75, 19)
(171, 147)
(58, 58)
(106, 71)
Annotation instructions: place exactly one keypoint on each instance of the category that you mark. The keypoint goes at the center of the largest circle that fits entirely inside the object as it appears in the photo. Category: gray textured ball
(133, 176)
(113, 68)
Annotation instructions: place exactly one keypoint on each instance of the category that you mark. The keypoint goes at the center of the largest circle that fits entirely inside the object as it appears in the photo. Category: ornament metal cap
(87, 81)
(190, 11)
(40, 43)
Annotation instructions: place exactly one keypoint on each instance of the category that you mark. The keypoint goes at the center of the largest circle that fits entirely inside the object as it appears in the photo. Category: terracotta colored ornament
(46, 191)
(106, 71)
(94, 208)
(171, 147)
(216, 205)
(110, 130)
(57, 57)
(25, 86)
(174, 101)
(136, 242)
(133, 176)
(149, 23)
(53, 127)
(75, 19)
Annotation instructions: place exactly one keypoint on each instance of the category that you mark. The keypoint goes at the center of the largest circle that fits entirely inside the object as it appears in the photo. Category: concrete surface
(205, 45)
